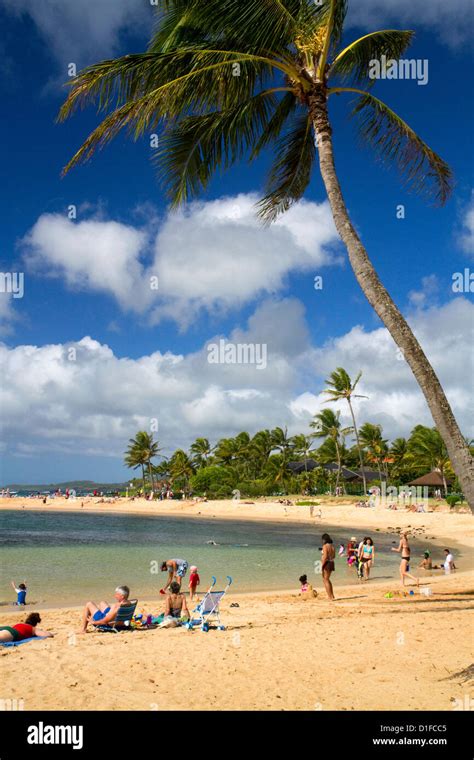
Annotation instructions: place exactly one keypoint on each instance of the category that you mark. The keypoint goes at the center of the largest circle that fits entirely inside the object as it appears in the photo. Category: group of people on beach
(102, 614)
(361, 556)
(176, 608)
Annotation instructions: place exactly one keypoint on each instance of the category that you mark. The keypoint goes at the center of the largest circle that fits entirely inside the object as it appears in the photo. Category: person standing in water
(328, 565)
(367, 557)
(404, 549)
(176, 569)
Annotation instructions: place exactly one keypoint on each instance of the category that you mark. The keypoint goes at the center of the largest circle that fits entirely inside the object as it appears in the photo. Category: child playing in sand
(21, 593)
(194, 581)
(307, 591)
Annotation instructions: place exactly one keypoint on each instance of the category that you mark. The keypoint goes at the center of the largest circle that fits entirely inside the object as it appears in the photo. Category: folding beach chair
(208, 607)
(122, 619)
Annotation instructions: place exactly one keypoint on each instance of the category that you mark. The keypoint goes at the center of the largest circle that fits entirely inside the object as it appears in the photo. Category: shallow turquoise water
(67, 558)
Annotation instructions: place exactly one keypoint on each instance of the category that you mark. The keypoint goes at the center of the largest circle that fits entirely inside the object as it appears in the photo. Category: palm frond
(193, 149)
(195, 75)
(353, 62)
(199, 89)
(393, 140)
(291, 170)
(273, 129)
(259, 22)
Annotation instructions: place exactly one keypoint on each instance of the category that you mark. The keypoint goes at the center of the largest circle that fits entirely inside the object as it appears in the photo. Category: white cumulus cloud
(213, 256)
(80, 398)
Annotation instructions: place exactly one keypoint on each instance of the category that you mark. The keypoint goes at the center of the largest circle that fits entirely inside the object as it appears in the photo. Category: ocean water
(67, 558)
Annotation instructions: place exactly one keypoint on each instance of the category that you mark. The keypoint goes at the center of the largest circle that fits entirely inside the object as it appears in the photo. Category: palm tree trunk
(445, 485)
(359, 449)
(338, 454)
(385, 307)
(143, 479)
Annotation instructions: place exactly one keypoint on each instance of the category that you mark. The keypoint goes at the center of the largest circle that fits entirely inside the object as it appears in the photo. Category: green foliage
(215, 481)
(453, 499)
(257, 465)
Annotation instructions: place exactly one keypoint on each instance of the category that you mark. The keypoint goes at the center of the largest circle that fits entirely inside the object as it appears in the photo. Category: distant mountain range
(77, 485)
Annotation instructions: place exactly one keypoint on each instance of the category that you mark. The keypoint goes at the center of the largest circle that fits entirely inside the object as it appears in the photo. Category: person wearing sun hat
(351, 548)
(194, 581)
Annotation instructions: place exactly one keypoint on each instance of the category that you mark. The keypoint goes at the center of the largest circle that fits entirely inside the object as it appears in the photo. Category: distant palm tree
(260, 448)
(141, 451)
(342, 387)
(281, 441)
(276, 471)
(300, 446)
(226, 79)
(398, 452)
(371, 438)
(180, 466)
(202, 450)
(225, 450)
(328, 425)
(429, 451)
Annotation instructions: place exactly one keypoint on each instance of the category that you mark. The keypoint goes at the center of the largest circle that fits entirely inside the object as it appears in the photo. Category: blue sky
(145, 358)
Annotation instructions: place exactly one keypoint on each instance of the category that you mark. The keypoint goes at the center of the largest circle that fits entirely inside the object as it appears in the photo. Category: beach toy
(412, 593)
(388, 595)
(162, 591)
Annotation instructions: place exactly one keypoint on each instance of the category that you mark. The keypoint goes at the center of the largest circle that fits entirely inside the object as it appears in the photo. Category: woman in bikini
(328, 566)
(367, 556)
(404, 549)
(175, 607)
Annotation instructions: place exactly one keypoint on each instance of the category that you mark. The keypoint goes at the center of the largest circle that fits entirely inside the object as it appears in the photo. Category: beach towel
(23, 641)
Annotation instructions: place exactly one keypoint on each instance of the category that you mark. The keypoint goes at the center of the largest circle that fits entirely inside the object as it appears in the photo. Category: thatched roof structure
(433, 479)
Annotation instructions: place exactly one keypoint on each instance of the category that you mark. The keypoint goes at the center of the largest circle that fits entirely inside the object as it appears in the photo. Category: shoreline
(381, 584)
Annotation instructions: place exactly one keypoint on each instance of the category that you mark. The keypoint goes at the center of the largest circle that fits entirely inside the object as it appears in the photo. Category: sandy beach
(278, 651)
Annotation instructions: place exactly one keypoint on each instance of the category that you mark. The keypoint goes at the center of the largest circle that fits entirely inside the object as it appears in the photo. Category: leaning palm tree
(342, 387)
(224, 79)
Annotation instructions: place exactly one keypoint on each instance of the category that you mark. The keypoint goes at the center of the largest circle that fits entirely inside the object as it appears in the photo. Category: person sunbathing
(104, 613)
(26, 630)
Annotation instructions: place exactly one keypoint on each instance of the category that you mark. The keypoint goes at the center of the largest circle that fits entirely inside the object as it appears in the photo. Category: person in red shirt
(26, 630)
(194, 581)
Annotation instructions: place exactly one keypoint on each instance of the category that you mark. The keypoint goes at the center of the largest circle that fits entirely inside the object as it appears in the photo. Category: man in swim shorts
(104, 613)
(176, 569)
